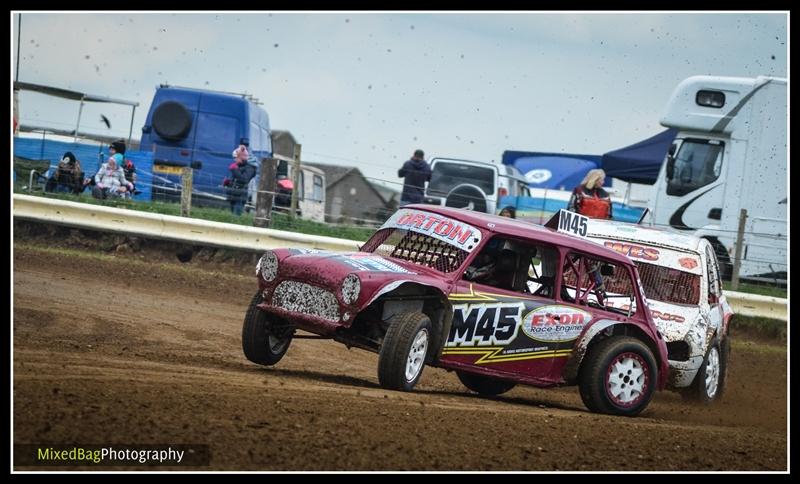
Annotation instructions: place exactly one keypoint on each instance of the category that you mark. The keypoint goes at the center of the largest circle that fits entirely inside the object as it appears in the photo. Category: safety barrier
(168, 227)
(203, 232)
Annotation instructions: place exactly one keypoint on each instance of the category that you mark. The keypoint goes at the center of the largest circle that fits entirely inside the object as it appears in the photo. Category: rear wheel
(171, 120)
(403, 351)
(618, 376)
(264, 341)
(484, 385)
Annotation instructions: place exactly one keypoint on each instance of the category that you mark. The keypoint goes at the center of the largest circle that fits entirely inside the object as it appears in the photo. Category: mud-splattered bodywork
(340, 294)
(689, 320)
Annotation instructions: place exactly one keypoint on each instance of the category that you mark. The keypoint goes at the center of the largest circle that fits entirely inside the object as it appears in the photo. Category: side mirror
(670, 166)
(606, 270)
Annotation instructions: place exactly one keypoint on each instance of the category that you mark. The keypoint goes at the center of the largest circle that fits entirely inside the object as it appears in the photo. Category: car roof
(522, 229)
(654, 236)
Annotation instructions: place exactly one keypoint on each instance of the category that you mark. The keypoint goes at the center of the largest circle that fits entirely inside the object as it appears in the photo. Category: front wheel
(709, 383)
(618, 376)
(403, 351)
(264, 341)
(484, 385)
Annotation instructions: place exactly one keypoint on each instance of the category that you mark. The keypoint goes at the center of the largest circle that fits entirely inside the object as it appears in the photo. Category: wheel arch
(407, 295)
(601, 330)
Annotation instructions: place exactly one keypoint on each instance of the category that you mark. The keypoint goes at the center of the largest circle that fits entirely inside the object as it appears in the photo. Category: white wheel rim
(626, 380)
(712, 372)
(416, 355)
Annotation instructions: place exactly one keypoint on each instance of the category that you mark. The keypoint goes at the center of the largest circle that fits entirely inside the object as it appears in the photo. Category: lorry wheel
(172, 120)
(403, 351)
(262, 341)
(484, 385)
(618, 376)
(468, 197)
(710, 379)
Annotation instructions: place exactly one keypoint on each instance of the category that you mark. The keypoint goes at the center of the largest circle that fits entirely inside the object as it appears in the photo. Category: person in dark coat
(415, 172)
(241, 172)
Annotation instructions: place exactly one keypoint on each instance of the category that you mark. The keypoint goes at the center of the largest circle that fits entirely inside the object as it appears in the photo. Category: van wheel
(172, 120)
(264, 340)
(403, 351)
(484, 385)
(618, 376)
(469, 197)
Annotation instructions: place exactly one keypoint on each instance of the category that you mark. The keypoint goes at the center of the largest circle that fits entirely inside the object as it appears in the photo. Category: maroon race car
(498, 300)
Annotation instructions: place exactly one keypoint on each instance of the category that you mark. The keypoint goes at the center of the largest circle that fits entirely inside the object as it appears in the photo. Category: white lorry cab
(729, 154)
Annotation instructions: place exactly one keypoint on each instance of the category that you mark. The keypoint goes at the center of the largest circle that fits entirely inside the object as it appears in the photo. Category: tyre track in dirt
(150, 353)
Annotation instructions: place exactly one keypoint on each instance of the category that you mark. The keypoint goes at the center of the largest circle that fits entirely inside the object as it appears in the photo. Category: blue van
(201, 128)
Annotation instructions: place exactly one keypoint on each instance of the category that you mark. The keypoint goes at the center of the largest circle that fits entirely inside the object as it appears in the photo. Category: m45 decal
(484, 324)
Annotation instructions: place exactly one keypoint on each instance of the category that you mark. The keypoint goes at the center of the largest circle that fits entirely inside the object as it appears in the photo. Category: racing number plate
(573, 223)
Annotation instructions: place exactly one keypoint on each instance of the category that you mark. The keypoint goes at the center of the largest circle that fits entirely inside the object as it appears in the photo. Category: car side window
(516, 266)
(712, 269)
(590, 281)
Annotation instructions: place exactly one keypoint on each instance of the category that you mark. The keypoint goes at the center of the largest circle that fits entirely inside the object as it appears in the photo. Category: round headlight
(268, 266)
(351, 287)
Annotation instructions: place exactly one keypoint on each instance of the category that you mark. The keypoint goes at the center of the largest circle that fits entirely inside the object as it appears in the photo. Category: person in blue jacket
(415, 172)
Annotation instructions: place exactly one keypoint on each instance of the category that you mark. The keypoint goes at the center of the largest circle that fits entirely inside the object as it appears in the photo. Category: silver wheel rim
(626, 380)
(416, 355)
(712, 372)
(276, 345)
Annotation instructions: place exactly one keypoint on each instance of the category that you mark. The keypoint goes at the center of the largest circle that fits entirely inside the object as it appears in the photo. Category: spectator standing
(239, 177)
(589, 198)
(509, 212)
(415, 172)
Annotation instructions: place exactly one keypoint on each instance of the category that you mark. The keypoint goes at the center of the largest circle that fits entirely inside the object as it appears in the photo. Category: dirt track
(112, 349)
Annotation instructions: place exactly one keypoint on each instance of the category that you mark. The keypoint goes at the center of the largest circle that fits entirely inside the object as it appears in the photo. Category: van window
(447, 176)
(317, 196)
(218, 132)
(697, 163)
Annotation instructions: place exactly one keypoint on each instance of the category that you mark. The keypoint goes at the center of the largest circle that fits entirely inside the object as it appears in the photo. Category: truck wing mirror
(670, 166)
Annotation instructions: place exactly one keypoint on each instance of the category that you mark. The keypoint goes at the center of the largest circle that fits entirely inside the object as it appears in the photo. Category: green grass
(763, 290)
(280, 221)
(761, 327)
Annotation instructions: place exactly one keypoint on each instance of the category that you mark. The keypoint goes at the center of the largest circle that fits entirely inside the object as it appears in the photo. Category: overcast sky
(367, 89)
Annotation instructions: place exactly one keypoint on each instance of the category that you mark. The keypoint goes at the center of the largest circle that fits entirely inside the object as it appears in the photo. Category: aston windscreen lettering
(484, 324)
(460, 234)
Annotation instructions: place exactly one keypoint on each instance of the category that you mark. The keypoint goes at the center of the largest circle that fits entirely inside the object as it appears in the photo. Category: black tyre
(709, 383)
(618, 376)
(484, 385)
(404, 351)
(466, 196)
(263, 342)
(172, 120)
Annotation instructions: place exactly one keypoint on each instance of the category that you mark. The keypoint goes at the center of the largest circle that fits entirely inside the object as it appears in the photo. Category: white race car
(681, 280)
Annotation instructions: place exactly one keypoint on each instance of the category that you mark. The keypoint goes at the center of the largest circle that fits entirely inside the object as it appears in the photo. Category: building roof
(335, 173)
